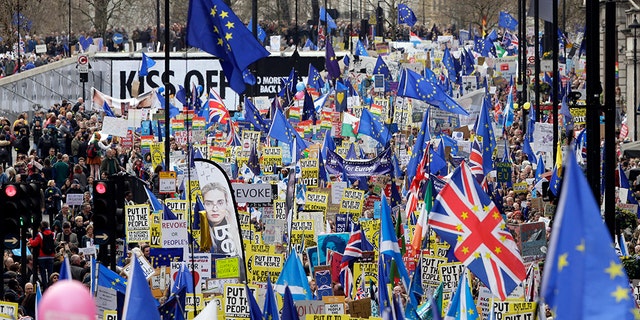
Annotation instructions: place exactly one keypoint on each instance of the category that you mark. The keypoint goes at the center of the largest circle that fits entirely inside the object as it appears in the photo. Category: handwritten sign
(227, 268)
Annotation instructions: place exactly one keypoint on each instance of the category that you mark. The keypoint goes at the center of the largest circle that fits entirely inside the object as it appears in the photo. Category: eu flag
(406, 15)
(372, 126)
(361, 50)
(484, 129)
(331, 63)
(110, 279)
(412, 85)
(583, 277)
(213, 27)
(145, 64)
(382, 68)
(314, 79)
(262, 35)
(252, 115)
(507, 21)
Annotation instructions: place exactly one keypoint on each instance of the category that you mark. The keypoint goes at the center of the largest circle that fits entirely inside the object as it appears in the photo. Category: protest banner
(334, 242)
(261, 266)
(252, 136)
(364, 274)
(360, 308)
(273, 231)
(352, 203)
(199, 265)
(371, 229)
(533, 237)
(74, 199)
(236, 305)
(520, 187)
(253, 192)
(279, 210)
(178, 207)
(302, 230)
(318, 222)
(155, 230)
(9, 310)
(333, 305)
(174, 234)
(309, 171)
(450, 273)
(305, 307)
(430, 272)
(137, 222)
(192, 302)
(327, 317)
(316, 201)
(271, 159)
(227, 268)
(147, 268)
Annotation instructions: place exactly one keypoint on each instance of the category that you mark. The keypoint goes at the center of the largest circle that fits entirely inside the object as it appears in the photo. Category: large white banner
(206, 72)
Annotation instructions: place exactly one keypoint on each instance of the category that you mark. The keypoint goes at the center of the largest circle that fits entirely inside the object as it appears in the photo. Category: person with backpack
(94, 155)
(45, 248)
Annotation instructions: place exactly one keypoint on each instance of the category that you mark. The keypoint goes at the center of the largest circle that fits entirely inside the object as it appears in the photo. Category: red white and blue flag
(353, 251)
(218, 113)
(465, 217)
(475, 160)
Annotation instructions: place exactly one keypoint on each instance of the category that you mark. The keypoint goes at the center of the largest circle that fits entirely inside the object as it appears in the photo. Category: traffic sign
(101, 238)
(83, 63)
(11, 242)
(117, 38)
(531, 59)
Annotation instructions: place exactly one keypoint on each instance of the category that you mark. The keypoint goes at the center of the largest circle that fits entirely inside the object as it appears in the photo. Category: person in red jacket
(45, 255)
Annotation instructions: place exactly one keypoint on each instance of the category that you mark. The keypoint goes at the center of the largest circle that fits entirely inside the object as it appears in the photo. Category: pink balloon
(67, 299)
(300, 95)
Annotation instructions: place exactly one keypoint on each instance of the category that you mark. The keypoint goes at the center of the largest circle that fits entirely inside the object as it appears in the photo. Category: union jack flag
(218, 113)
(475, 160)
(353, 251)
(414, 188)
(465, 217)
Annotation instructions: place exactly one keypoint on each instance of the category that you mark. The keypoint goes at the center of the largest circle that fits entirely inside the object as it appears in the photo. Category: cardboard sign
(316, 201)
(352, 202)
(431, 271)
(236, 305)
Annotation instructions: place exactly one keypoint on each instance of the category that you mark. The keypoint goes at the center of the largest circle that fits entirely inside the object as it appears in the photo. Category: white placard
(115, 126)
(274, 43)
(75, 199)
(41, 48)
(174, 234)
(147, 268)
(200, 265)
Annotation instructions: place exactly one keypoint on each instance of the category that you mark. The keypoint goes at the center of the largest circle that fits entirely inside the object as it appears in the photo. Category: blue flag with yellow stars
(314, 80)
(406, 15)
(110, 279)
(583, 277)
(484, 129)
(372, 126)
(412, 85)
(252, 115)
(382, 68)
(507, 21)
(556, 175)
(213, 27)
(331, 62)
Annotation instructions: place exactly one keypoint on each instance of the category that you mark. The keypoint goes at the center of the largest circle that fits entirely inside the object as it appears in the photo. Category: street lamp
(634, 26)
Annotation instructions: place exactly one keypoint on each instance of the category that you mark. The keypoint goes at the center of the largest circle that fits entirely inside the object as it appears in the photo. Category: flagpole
(188, 196)
(166, 83)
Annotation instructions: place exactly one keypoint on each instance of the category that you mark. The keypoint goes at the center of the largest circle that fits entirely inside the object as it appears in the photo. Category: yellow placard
(228, 268)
